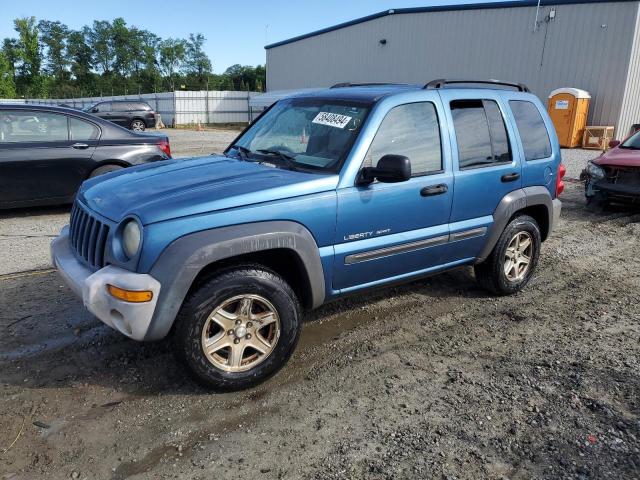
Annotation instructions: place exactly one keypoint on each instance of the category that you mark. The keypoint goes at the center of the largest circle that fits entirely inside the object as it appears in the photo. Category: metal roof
(441, 8)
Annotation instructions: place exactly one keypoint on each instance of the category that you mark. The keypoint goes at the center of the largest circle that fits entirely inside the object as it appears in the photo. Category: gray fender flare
(181, 262)
(512, 203)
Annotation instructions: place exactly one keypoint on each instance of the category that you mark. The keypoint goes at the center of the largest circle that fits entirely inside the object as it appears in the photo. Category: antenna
(535, 24)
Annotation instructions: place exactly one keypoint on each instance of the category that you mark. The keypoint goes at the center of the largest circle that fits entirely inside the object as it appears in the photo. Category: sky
(236, 31)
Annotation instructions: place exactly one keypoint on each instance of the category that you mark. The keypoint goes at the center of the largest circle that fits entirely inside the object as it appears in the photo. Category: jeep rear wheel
(238, 328)
(514, 258)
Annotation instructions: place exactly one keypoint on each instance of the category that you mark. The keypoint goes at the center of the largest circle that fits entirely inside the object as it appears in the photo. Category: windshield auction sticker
(332, 119)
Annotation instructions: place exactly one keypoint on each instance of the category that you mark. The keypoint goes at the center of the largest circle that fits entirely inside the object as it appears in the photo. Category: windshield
(633, 142)
(306, 134)
(89, 108)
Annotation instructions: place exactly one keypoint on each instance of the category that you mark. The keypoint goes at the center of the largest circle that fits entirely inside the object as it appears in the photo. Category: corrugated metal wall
(630, 115)
(586, 46)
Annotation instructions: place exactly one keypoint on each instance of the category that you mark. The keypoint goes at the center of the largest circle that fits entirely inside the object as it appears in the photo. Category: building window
(533, 132)
(411, 130)
(480, 133)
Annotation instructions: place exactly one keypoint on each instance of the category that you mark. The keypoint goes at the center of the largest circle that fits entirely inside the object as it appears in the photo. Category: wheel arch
(285, 247)
(105, 163)
(533, 201)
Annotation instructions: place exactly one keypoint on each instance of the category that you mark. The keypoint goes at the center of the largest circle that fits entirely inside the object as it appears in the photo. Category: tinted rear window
(480, 133)
(533, 132)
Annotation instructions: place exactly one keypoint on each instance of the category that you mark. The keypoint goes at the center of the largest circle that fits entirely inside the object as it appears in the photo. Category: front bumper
(130, 319)
(613, 191)
(557, 209)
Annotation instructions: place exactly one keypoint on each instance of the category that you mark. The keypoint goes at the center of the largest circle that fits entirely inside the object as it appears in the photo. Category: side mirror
(95, 110)
(614, 143)
(390, 169)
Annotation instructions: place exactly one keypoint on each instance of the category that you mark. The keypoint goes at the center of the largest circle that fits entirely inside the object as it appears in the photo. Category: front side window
(532, 130)
(303, 133)
(25, 126)
(411, 130)
(480, 133)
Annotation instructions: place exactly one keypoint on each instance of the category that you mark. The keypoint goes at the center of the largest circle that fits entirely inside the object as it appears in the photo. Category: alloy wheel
(517, 261)
(241, 333)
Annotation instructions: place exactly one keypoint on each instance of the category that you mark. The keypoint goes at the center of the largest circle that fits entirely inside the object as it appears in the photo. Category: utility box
(568, 109)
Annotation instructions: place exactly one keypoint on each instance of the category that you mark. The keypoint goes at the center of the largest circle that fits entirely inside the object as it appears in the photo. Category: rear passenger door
(486, 165)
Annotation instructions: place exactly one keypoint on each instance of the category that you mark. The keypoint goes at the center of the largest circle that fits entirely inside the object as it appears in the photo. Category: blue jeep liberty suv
(325, 194)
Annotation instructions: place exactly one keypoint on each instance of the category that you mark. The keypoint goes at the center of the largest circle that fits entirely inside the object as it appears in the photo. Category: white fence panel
(176, 108)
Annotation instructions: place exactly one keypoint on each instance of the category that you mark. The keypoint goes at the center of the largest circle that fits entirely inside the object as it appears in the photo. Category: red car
(615, 175)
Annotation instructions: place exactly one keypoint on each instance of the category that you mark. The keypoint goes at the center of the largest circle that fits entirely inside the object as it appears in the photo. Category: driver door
(387, 231)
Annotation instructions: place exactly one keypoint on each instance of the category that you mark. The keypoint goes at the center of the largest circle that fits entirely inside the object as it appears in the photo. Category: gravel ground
(434, 379)
(576, 160)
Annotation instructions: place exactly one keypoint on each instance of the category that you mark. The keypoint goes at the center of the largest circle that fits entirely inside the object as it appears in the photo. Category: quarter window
(411, 130)
(25, 126)
(480, 133)
(533, 132)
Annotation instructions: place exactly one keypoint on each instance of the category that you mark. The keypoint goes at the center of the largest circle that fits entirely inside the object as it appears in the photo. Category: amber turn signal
(133, 296)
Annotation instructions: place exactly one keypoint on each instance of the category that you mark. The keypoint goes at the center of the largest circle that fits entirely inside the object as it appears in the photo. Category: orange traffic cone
(199, 129)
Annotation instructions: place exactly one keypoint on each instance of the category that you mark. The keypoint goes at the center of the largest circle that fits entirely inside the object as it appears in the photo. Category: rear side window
(121, 107)
(411, 130)
(81, 130)
(480, 133)
(532, 130)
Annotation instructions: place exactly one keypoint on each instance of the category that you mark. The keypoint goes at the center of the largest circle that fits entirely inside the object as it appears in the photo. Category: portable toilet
(568, 109)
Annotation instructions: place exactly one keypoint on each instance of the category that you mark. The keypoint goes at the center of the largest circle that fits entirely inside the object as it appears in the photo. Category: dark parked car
(46, 152)
(615, 175)
(130, 114)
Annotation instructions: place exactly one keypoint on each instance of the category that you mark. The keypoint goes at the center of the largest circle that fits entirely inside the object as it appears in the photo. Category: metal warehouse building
(591, 45)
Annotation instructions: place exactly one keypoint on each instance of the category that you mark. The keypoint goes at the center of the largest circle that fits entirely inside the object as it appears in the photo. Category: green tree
(99, 40)
(172, 56)
(197, 62)
(7, 85)
(80, 55)
(54, 37)
(29, 81)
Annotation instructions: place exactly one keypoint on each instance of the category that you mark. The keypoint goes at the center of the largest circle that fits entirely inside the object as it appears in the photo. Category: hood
(619, 157)
(175, 188)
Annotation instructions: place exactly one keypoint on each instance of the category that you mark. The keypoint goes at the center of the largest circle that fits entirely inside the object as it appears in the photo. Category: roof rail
(371, 84)
(434, 84)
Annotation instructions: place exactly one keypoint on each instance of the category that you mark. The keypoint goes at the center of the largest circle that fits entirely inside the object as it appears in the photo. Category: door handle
(79, 146)
(510, 177)
(434, 190)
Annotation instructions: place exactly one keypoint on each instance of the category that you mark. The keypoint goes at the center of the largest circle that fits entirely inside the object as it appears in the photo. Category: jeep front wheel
(513, 259)
(239, 328)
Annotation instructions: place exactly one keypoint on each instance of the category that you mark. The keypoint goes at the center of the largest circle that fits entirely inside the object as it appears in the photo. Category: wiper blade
(244, 152)
(288, 160)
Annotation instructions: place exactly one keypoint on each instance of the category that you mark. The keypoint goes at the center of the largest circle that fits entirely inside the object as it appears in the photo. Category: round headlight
(595, 171)
(131, 238)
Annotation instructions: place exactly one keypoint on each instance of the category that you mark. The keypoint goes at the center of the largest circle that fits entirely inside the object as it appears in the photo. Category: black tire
(105, 169)
(491, 275)
(137, 125)
(199, 305)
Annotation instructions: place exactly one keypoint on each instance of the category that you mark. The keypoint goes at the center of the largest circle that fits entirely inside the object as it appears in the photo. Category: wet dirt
(432, 379)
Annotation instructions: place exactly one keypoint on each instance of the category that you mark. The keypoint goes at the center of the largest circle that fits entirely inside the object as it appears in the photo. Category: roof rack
(349, 84)
(442, 82)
